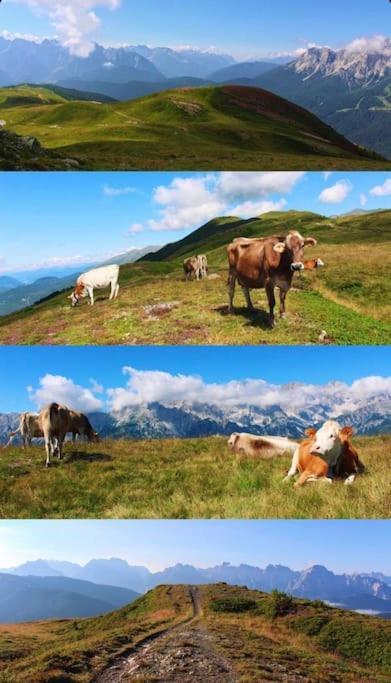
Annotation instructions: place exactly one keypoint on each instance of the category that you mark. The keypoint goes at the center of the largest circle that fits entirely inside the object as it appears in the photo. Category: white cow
(29, 428)
(263, 447)
(98, 278)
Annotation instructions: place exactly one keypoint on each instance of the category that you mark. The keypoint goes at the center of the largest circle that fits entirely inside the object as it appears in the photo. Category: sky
(101, 378)
(342, 546)
(73, 219)
(245, 29)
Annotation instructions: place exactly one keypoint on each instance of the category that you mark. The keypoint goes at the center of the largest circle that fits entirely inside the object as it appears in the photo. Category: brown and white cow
(28, 429)
(326, 451)
(191, 268)
(263, 447)
(203, 265)
(56, 421)
(266, 263)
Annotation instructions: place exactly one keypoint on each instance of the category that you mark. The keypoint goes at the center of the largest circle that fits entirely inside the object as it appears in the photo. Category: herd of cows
(256, 263)
(325, 454)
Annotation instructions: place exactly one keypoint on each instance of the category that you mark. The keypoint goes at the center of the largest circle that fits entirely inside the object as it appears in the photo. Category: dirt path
(184, 653)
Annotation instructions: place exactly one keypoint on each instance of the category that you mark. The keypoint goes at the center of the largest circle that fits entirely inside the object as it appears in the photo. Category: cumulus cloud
(186, 203)
(248, 185)
(109, 191)
(250, 209)
(376, 43)
(64, 390)
(337, 193)
(74, 21)
(382, 190)
(148, 386)
(135, 229)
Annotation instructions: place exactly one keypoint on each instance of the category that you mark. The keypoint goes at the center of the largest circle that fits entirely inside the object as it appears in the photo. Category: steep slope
(347, 303)
(32, 598)
(227, 127)
(217, 633)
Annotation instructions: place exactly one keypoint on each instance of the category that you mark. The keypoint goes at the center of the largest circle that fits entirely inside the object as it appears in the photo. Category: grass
(182, 479)
(194, 129)
(256, 646)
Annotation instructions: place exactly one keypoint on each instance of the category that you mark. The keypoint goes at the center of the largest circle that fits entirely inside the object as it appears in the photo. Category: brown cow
(192, 268)
(29, 428)
(56, 421)
(266, 263)
(327, 451)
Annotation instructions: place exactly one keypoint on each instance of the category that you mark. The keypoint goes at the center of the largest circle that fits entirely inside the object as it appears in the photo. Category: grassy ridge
(225, 127)
(257, 646)
(348, 302)
(181, 479)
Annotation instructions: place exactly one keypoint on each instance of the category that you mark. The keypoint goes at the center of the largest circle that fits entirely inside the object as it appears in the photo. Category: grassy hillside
(217, 632)
(227, 127)
(175, 478)
(349, 303)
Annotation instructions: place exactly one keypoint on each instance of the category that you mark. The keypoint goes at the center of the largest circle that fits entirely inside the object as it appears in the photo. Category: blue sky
(251, 27)
(72, 219)
(342, 546)
(67, 373)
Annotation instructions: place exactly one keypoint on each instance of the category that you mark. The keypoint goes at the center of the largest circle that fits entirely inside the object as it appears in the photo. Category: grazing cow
(56, 421)
(327, 452)
(203, 265)
(263, 447)
(99, 278)
(266, 263)
(29, 428)
(191, 268)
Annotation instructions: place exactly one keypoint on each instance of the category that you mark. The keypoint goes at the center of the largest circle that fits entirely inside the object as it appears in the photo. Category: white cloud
(337, 193)
(377, 43)
(74, 21)
(64, 390)
(363, 200)
(136, 228)
(186, 203)
(250, 185)
(382, 190)
(144, 387)
(109, 191)
(327, 174)
(12, 35)
(250, 209)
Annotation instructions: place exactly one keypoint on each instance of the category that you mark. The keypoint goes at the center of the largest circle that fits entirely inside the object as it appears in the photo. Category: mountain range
(349, 89)
(54, 596)
(16, 294)
(359, 591)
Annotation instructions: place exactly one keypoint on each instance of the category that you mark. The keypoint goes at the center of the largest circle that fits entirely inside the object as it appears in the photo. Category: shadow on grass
(82, 456)
(255, 318)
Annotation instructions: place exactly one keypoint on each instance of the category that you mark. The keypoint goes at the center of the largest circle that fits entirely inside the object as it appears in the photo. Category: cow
(56, 421)
(263, 447)
(266, 263)
(99, 278)
(191, 268)
(325, 454)
(29, 428)
(203, 265)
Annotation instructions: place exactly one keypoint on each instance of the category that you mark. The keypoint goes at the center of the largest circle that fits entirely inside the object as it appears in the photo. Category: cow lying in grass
(325, 454)
(264, 447)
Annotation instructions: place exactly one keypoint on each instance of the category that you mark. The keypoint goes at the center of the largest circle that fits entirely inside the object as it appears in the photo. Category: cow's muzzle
(295, 267)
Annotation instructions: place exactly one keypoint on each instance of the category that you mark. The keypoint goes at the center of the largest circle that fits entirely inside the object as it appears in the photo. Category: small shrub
(279, 605)
(233, 605)
(311, 626)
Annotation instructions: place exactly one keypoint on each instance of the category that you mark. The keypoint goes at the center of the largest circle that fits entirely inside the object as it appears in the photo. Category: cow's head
(293, 245)
(77, 294)
(328, 440)
(233, 439)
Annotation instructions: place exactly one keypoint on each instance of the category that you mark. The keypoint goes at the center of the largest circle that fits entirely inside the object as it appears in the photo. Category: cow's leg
(48, 449)
(349, 481)
(116, 290)
(303, 478)
(283, 293)
(271, 300)
(90, 291)
(231, 289)
(60, 443)
(294, 466)
(247, 296)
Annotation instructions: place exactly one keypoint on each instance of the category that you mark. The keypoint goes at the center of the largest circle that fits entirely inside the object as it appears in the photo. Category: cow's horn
(279, 247)
(310, 242)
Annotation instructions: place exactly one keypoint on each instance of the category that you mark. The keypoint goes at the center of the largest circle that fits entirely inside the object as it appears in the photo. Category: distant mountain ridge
(358, 591)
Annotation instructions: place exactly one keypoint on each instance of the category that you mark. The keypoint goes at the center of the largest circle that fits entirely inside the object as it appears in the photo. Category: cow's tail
(11, 438)
(53, 411)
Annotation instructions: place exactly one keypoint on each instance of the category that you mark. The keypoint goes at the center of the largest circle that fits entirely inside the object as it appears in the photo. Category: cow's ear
(279, 247)
(311, 432)
(346, 432)
(310, 242)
